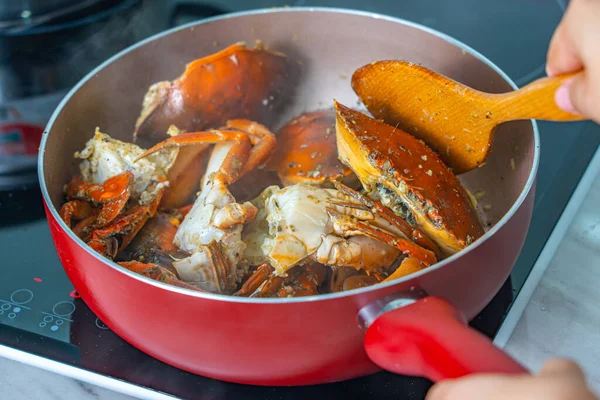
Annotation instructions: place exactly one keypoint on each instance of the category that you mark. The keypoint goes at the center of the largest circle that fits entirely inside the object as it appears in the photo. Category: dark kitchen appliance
(46, 46)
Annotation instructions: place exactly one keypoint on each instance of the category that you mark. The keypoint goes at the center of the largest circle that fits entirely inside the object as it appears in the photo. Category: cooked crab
(211, 231)
(236, 82)
(105, 157)
(303, 223)
(301, 228)
(314, 233)
(113, 197)
(407, 177)
(306, 152)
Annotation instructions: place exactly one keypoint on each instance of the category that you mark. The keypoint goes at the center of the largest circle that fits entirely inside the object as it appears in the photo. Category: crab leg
(104, 240)
(106, 246)
(233, 162)
(141, 215)
(82, 228)
(111, 209)
(77, 209)
(262, 139)
(113, 194)
(153, 205)
(126, 225)
(154, 242)
(376, 207)
(255, 280)
(157, 273)
(348, 226)
(301, 281)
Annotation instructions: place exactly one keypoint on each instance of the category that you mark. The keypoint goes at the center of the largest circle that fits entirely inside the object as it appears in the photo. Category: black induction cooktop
(41, 314)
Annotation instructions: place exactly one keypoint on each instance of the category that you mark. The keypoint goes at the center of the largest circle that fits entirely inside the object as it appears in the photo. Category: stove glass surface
(41, 314)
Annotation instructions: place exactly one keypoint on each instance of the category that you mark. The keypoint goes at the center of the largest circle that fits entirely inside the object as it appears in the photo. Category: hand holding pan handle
(415, 334)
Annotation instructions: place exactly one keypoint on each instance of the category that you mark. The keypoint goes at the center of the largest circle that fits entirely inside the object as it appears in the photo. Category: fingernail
(563, 97)
(549, 71)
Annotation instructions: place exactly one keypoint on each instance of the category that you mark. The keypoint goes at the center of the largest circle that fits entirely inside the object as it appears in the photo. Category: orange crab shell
(306, 151)
(236, 82)
(382, 154)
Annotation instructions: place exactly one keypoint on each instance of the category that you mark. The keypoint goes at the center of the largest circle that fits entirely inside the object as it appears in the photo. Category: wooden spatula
(455, 120)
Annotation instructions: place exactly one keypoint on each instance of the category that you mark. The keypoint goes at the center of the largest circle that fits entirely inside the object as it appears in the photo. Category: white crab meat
(215, 218)
(293, 226)
(104, 157)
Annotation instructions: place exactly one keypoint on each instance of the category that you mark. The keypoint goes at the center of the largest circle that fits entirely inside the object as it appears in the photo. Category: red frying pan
(415, 325)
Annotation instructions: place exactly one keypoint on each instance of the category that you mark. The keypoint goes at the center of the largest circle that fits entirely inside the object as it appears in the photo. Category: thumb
(580, 96)
(558, 368)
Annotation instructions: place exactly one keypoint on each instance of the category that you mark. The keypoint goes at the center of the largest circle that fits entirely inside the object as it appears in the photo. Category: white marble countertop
(559, 309)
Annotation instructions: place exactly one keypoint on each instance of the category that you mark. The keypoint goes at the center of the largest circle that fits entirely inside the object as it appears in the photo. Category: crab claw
(306, 151)
(408, 177)
(236, 82)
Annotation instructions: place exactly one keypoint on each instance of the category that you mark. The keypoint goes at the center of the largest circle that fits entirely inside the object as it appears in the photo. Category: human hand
(574, 47)
(559, 379)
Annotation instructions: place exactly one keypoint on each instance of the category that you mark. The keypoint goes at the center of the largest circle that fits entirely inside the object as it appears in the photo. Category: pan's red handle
(430, 338)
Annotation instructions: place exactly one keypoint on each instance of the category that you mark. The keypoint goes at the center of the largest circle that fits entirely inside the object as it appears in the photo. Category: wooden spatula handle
(535, 101)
